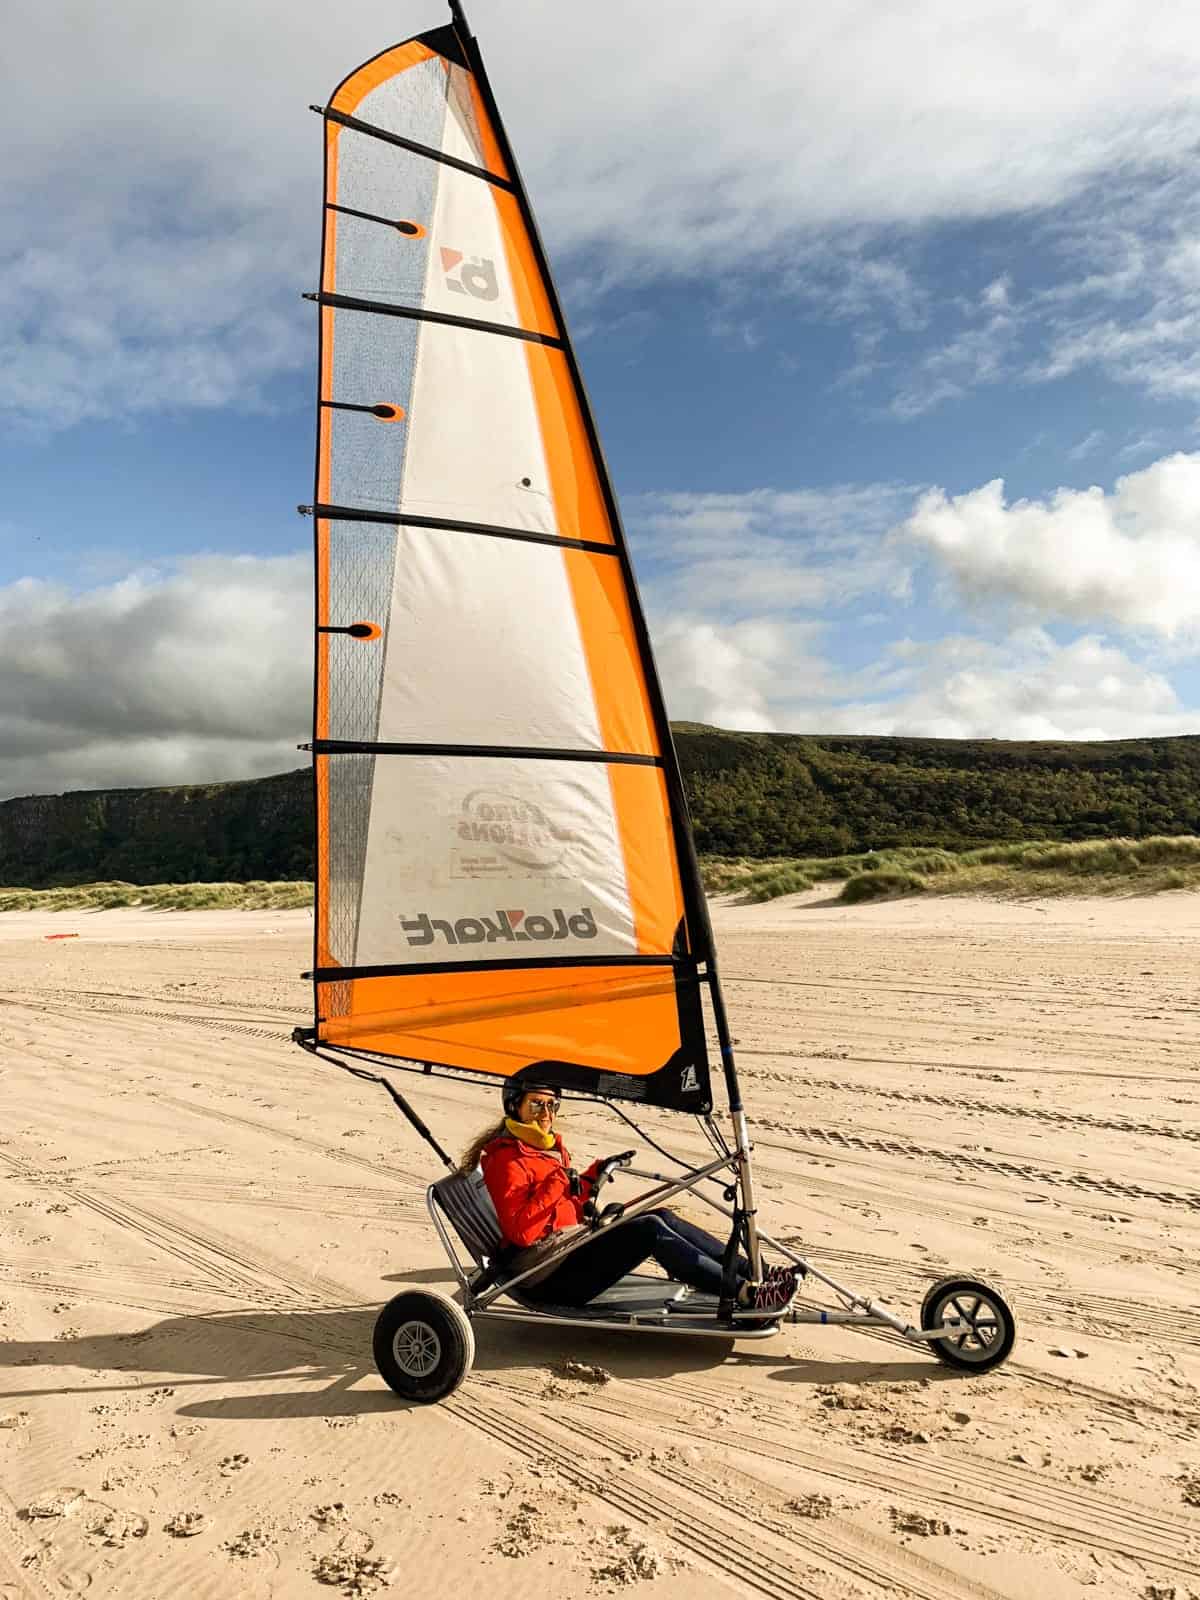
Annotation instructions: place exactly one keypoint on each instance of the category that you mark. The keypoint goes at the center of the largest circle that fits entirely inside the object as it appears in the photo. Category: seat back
(468, 1208)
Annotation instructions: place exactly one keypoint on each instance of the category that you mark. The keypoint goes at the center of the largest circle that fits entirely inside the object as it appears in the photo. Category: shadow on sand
(332, 1348)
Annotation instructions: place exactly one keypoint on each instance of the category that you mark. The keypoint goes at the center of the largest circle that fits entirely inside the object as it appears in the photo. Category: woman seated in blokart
(536, 1193)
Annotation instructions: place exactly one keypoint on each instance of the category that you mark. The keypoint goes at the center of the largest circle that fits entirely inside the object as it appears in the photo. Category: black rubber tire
(423, 1346)
(970, 1298)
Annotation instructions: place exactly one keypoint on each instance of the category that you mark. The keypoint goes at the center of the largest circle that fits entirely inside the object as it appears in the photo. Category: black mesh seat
(467, 1206)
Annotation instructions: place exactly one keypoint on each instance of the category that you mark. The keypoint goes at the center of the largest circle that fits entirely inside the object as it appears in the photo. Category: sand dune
(200, 1224)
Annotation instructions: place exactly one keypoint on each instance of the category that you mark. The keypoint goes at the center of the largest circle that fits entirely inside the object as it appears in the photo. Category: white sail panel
(483, 647)
(492, 859)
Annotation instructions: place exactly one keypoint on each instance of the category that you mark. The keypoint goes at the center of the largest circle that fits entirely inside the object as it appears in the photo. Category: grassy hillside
(753, 795)
(1008, 871)
(790, 795)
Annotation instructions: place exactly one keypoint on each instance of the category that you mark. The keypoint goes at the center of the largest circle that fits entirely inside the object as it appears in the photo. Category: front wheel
(987, 1328)
(423, 1346)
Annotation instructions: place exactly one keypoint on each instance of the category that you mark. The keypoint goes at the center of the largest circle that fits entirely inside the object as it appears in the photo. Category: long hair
(471, 1155)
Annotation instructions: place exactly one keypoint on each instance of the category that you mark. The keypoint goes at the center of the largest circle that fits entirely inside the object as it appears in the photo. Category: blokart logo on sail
(516, 829)
(510, 927)
(473, 275)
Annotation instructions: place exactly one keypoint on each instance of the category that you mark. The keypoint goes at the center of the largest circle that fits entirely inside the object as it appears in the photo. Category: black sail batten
(382, 308)
(353, 747)
(405, 519)
(356, 125)
(542, 963)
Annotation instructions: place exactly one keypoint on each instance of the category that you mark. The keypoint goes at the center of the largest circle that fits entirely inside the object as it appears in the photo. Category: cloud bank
(163, 212)
(1130, 558)
(770, 610)
(192, 676)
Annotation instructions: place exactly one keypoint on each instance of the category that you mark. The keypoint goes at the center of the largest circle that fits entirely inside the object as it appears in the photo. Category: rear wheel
(423, 1346)
(987, 1328)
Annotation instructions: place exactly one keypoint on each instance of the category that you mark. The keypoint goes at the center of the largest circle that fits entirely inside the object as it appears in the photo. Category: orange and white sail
(504, 862)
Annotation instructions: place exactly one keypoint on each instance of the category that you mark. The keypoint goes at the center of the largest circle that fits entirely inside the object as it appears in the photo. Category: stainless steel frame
(854, 1308)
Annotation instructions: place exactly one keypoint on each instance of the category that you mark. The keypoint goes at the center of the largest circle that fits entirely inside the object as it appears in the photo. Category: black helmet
(535, 1076)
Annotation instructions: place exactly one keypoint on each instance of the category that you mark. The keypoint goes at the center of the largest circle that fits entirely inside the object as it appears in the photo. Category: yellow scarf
(529, 1133)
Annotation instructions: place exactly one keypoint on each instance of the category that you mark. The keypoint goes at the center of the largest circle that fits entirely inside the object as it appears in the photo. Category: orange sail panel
(505, 874)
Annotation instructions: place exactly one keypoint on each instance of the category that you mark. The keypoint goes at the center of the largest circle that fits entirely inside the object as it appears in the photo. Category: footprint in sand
(233, 1463)
(116, 1528)
(353, 1574)
(329, 1516)
(58, 1503)
(250, 1542)
(186, 1524)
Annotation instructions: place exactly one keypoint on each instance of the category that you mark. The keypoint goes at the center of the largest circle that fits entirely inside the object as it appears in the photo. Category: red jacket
(531, 1189)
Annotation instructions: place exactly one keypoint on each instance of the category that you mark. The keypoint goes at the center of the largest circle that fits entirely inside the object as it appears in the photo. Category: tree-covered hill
(773, 794)
(752, 794)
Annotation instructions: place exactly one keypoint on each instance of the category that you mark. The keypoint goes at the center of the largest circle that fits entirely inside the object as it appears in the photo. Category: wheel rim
(984, 1329)
(417, 1349)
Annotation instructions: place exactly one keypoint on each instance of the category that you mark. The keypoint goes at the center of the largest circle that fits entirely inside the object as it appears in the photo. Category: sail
(504, 865)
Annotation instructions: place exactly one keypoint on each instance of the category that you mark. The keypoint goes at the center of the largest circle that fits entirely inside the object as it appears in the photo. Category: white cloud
(193, 675)
(770, 677)
(1087, 445)
(1023, 687)
(767, 551)
(1130, 558)
(738, 675)
(995, 295)
(770, 610)
(974, 356)
(163, 212)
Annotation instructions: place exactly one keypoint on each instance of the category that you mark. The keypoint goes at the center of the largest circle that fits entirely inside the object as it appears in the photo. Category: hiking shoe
(776, 1292)
(773, 1273)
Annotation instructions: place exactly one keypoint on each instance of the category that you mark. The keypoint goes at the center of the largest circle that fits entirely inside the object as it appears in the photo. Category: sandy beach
(200, 1224)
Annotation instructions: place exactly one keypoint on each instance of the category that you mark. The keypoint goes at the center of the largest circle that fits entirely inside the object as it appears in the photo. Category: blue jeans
(684, 1252)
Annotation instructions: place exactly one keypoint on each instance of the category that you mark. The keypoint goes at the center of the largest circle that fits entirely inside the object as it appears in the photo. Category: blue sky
(889, 317)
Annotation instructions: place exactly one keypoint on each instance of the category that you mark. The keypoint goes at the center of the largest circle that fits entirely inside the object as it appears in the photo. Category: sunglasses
(544, 1105)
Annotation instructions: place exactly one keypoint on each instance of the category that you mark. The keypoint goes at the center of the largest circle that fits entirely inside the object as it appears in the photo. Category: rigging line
(369, 128)
(713, 1134)
(398, 1098)
(471, 1077)
(360, 747)
(494, 530)
(346, 302)
(687, 1166)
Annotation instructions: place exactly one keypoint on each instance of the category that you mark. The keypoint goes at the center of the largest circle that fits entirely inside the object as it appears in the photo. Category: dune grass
(1005, 871)
(161, 897)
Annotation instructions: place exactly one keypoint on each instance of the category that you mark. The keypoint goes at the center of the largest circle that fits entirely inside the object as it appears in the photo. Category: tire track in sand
(227, 1268)
(894, 1572)
(1059, 1179)
(999, 1108)
(998, 1491)
(401, 1175)
(1114, 1315)
(720, 1542)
